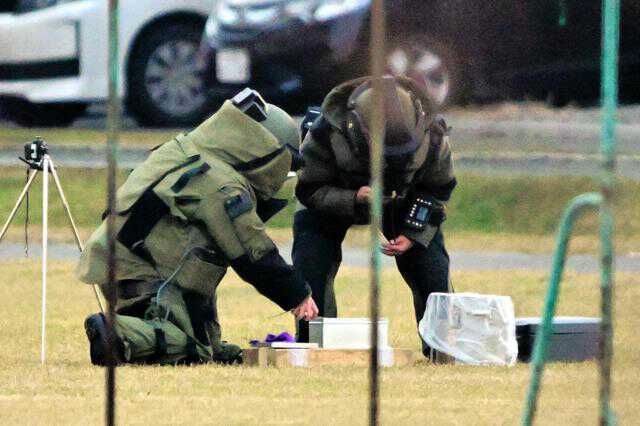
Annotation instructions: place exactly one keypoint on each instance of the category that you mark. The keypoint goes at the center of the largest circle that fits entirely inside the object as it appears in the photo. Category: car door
(519, 38)
(581, 41)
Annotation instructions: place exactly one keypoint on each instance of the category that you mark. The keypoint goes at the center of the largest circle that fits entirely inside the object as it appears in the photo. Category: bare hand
(363, 195)
(398, 246)
(307, 310)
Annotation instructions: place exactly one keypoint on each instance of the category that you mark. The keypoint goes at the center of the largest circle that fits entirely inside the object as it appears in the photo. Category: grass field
(484, 213)
(68, 390)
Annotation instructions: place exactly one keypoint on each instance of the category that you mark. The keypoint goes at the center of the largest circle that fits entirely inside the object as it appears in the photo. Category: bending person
(333, 188)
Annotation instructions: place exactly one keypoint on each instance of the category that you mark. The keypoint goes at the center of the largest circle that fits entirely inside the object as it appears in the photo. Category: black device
(251, 103)
(313, 112)
(422, 211)
(34, 153)
(418, 214)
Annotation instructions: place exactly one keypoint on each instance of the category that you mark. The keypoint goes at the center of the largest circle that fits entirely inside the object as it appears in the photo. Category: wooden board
(309, 357)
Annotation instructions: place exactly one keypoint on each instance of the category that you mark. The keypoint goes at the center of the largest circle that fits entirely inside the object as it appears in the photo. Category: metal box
(347, 333)
(573, 338)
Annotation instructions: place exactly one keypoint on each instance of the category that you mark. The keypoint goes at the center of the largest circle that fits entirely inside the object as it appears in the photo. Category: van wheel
(166, 86)
(433, 64)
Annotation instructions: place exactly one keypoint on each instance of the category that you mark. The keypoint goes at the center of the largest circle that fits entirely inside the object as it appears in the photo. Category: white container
(347, 333)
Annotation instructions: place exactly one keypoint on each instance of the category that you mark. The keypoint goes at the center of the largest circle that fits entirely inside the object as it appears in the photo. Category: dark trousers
(317, 253)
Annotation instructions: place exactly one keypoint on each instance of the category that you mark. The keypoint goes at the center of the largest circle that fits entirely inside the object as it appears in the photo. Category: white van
(53, 59)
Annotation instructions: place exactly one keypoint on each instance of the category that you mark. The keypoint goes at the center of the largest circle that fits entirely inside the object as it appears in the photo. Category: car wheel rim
(173, 79)
(426, 67)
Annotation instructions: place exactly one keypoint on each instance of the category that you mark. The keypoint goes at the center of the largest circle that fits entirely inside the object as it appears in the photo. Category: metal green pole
(113, 125)
(610, 52)
(377, 126)
(562, 13)
(603, 200)
(576, 207)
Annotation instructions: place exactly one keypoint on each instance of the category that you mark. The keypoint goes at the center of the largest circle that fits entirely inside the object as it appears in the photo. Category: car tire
(26, 114)
(166, 87)
(433, 64)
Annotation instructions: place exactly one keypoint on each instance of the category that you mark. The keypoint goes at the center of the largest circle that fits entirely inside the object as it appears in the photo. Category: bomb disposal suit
(333, 188)
(196, 206)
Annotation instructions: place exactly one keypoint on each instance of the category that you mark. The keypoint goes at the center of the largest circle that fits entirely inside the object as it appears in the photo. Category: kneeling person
(196, 206)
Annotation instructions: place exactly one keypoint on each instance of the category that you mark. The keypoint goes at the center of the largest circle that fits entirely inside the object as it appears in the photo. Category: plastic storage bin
(347, 333)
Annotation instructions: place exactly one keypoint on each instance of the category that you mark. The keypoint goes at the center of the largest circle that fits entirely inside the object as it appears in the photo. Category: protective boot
(96, 328)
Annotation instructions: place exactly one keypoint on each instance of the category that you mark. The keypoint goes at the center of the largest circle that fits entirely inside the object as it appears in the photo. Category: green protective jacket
(191, 209)
(332, 173)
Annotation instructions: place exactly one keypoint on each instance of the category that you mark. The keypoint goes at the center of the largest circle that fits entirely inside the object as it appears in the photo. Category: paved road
(460, 260)
(511, 147)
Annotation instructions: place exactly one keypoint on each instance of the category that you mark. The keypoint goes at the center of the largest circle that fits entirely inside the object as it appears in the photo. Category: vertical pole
(610, 46)
(377, 129)
(573, 211)
(113, 123)
(45, 237)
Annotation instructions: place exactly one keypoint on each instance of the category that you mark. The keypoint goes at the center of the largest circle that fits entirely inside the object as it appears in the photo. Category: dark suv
(461, 50)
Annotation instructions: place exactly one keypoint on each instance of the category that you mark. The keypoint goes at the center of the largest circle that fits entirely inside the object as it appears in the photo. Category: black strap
(161, 342)
(184, 179)
(259, 162)
(160, 347)
(192, 350)
(192, 159)
(266, 209)
(145, 214)
(129, 289)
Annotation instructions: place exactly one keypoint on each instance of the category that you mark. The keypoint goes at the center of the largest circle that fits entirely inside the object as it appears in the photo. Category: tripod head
(34, 153)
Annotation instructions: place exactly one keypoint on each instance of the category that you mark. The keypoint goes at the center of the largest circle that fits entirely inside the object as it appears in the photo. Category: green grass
(480, 204)
(18, 136)
(68, 390)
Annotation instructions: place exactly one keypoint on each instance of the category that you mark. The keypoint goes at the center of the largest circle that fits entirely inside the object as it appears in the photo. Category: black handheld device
(313, 112)
(422, 211)
(251, 103)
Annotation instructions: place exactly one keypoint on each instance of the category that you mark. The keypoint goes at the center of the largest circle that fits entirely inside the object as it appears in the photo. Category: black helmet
(405, 119)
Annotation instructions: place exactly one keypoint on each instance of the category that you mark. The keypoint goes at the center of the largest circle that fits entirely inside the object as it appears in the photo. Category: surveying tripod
(37, 158)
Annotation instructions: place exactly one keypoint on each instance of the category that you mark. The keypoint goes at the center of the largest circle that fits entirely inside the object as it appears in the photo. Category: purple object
(282, 337)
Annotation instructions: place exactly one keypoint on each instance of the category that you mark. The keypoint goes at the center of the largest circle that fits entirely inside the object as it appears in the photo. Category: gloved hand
(307, 310)
(397, 246)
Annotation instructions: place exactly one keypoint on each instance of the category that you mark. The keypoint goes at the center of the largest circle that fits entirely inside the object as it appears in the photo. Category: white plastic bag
(473, 328)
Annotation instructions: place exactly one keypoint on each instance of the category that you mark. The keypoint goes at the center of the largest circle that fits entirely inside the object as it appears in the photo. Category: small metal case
(573, 338)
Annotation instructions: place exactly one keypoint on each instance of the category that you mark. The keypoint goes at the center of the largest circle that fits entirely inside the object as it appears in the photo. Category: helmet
(404, 117)
(282, 126)
(285, 129)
